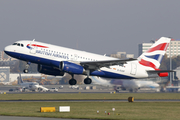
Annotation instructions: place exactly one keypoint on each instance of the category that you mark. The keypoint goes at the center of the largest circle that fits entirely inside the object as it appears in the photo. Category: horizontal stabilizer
(159, 71)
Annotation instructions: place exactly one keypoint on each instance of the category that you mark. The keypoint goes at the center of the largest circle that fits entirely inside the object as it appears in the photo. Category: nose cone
(157, 85)
(7, 49)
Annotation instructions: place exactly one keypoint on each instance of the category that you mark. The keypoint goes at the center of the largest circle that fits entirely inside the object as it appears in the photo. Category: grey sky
(98, 26)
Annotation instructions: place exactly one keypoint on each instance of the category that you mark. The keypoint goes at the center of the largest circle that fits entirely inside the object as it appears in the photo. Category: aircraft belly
(117, 75)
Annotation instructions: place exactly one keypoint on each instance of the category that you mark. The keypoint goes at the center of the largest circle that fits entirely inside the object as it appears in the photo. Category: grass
(64, 96)
(88, 110)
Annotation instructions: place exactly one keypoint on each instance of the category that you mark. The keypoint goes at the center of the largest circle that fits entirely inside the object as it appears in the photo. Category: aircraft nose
(157, 85)
(7, 49)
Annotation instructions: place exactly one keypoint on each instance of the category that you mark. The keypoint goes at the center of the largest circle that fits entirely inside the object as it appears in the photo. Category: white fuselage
(47, 54)
(33, 86)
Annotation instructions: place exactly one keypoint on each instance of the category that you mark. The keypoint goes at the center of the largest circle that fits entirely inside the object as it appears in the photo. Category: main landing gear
(27, 67)
(72, 81)
(87, 80)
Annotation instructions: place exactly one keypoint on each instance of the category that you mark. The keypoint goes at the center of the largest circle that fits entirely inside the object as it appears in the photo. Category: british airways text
(52, 54)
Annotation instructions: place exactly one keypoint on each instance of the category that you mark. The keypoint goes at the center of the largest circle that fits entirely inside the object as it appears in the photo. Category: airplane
(56, 60)
(31, 85)
(131, 85)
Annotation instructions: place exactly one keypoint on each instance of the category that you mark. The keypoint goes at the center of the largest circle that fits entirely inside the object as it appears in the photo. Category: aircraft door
(32, 47)
(74, 57)
(133, 69)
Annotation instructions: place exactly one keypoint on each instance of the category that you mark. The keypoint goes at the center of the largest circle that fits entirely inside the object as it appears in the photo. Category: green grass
(127, 111)
(63, 96)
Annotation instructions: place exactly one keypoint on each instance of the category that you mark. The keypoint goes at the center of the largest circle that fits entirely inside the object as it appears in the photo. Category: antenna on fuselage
(33, 40)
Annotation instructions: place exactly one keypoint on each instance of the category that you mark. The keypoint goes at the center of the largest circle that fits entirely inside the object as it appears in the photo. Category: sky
(97, 26)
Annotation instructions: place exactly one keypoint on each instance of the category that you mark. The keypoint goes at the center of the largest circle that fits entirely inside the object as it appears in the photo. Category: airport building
(174, 46)
(4, 74)
(122, 55)
(4, 57)
(11, 78)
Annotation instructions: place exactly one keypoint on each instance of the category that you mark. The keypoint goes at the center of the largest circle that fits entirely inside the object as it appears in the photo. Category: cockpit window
(18, 44)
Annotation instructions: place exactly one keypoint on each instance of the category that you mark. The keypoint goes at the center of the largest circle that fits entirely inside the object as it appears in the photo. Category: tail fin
(20, 79)
(154, 55)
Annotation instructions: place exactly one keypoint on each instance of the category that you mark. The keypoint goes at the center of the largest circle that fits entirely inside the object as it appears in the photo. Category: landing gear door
(32, 47)
(133, 69)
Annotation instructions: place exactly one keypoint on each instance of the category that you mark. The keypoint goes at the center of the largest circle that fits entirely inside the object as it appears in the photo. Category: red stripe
(158, 47)
(37, 45)
(147, 63)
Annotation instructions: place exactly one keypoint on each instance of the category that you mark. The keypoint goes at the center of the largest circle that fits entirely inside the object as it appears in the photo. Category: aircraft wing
(93, 65)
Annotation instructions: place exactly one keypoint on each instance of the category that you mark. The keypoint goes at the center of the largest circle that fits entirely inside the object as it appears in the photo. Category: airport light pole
(170, 62)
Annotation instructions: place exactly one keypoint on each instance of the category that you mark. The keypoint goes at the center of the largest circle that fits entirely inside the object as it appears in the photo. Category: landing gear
(27, 67)
(26, 71)
(72, 81)
(87, 80)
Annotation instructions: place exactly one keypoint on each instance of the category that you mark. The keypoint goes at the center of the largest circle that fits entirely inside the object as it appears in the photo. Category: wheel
(87, 81)
(72, 81)
(26, 71)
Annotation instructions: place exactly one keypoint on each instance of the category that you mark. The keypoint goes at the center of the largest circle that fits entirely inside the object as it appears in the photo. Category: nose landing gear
(27, 67)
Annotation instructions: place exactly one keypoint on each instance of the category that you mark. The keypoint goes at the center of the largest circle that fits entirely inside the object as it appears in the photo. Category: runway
(96, 100)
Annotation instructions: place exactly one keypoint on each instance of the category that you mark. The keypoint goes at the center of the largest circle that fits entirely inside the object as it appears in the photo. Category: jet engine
(49, 70)
(71, 68)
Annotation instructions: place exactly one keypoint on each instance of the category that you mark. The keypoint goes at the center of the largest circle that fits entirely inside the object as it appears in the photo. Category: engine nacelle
(71, 67)
(49, 70)
(165, 74)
